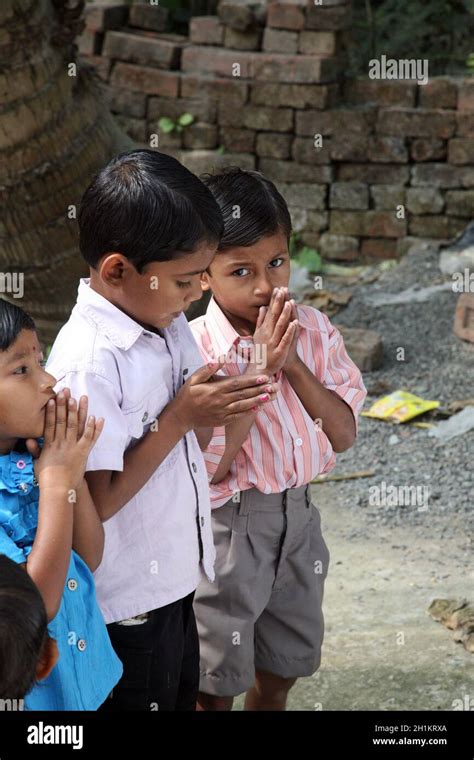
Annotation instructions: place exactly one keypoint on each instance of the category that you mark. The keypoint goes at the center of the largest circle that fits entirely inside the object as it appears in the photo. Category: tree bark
(56, 132)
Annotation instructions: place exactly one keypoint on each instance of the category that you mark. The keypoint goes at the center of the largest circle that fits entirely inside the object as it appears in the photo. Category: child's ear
(205, 284)
(48, 658)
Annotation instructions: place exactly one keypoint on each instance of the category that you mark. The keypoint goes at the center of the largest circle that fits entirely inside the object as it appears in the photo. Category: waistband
(248, 499)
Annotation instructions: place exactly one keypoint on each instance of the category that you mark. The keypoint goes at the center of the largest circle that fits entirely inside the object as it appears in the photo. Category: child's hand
(68, 440)
(275, 332)
(292, 357)
(200, 403)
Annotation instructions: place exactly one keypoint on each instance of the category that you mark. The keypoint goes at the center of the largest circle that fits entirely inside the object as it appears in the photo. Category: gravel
(437, 366)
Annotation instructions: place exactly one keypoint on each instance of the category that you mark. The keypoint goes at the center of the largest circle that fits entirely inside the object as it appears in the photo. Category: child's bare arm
(88, 531)
(337, 419)
(203, 435)
(60, 472)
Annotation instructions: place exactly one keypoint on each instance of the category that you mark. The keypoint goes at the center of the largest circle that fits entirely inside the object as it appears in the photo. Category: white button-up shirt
(157, 544)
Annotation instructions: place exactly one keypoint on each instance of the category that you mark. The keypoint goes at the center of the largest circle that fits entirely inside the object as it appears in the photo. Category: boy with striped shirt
(260, 623)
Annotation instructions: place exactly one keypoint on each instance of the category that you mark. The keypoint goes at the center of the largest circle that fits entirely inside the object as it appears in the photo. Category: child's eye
(279, 258)
(183, 284)
(43, 362)
(19, 371)
(242, 269)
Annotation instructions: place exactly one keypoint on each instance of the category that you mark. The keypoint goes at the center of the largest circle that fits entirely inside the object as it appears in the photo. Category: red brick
(200, 136)
(343, 120)
(381, 92)
(234, 93)
(349, 146)
(217, 61)
(438, 93)
(100, 17)
(466, 95)
(267, 119)
(289, 171)
(136, 48)
(294, 95)
(206, 30)
(387, 150)
(429, 226)
(305, 152)
(329, 19)
(412, 122)
(424, 149)
(237, 140)
(464, 317)
(280, 41)
(304, 69)
(378, 224)
(202, 109)
(379, 248)
(465, 122)
(460, 203)
(147, 80)
(374, 174)
(249, 40)
(146, 16)
(285, 16)
(272, 145)
(318, 43)
(461, 150)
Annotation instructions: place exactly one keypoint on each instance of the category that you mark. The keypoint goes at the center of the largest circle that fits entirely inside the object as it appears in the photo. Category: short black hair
(23, 630)
(12, 321)
(148, 207)
(262, 210)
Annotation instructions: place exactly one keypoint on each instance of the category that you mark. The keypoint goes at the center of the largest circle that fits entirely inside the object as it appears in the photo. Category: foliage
(441, 31)
(167, 125)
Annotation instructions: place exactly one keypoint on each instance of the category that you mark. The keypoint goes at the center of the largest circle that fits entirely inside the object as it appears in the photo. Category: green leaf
(310, 259)
(186, 119)
(166, 125)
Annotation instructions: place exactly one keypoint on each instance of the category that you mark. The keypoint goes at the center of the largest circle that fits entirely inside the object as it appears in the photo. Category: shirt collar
(117, 326)
(225, 336)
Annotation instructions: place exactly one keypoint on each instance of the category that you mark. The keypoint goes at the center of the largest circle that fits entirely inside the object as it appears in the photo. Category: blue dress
(87, 668)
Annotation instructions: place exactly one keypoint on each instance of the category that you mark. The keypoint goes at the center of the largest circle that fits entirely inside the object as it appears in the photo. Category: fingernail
(71, 402)
(264, 397)
(255, 409)
(51, 402)
(262, 379)
(268, 388)
(91, 418)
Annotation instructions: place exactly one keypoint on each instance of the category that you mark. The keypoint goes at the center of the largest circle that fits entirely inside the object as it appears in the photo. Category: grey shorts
(264, 610)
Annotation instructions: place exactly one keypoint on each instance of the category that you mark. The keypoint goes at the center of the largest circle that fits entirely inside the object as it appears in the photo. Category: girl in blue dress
(49, 525)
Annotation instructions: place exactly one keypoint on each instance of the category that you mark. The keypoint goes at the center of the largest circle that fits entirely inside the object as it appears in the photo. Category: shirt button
(72, 584)
(202, 522)
(299, 442)
(23, 486)
(194, 466)
(145, 417)
(81, 644)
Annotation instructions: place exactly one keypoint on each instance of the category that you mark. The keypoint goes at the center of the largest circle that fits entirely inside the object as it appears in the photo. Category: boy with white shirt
(148, 229)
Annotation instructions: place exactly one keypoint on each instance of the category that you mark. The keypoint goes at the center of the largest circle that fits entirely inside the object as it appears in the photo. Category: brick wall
(363, 164)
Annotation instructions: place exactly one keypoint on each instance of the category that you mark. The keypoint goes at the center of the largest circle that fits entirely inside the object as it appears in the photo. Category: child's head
(252, 257)
(148, 228)
(27, 654)
(25, 386)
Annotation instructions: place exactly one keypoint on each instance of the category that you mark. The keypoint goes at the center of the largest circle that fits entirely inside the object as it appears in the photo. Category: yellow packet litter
(399, 406)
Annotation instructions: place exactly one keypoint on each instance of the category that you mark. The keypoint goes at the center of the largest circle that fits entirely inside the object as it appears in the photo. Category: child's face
(242, 279)
(25, 389)
(160, 293)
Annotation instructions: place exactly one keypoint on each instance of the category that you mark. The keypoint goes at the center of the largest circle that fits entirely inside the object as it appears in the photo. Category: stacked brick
(363, 164)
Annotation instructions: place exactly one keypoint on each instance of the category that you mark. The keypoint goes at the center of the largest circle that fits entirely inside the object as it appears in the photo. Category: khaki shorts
(264, 610)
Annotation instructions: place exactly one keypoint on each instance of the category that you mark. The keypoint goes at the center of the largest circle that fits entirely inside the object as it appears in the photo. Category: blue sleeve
(9, 547)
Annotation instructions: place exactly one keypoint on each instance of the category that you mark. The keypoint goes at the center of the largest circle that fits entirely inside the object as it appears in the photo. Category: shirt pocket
(143, 414)
(141, 418)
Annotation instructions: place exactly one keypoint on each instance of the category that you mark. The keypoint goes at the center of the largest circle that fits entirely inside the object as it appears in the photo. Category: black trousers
(160, 661)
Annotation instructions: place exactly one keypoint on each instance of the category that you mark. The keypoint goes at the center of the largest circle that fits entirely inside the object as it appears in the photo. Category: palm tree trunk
(56, 131)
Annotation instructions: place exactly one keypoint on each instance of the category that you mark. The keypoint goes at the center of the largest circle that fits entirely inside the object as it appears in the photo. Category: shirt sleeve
(342, 376)
(9, 548)
(104, 401)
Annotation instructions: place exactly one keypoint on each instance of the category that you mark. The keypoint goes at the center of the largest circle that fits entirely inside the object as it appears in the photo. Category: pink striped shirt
(285, 447)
